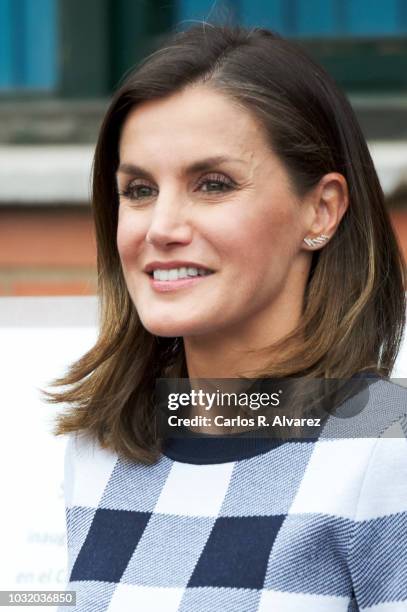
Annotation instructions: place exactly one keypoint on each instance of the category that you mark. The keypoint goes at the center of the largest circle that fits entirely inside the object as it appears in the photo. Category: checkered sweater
(243, 525)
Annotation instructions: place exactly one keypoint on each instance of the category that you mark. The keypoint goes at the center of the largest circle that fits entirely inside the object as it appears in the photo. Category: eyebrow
(198, 166)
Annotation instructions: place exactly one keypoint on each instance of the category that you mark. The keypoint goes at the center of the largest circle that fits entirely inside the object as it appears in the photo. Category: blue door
(318, 18)
(28, 45)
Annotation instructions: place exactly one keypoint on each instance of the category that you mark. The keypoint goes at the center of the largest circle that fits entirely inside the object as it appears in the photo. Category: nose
(168, 225)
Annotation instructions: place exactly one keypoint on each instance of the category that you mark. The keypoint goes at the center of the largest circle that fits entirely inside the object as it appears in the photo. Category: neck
(226, 357)
(237, 351)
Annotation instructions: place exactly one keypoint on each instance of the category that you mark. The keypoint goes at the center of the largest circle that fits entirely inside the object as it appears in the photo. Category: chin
(171, 329)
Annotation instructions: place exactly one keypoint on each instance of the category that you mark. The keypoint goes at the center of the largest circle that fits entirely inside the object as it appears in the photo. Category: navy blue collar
(208, 449)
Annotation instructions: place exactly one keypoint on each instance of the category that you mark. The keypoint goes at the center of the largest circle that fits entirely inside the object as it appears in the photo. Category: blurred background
(60, 60)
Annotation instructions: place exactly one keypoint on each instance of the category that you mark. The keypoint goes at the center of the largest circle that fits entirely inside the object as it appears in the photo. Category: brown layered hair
(354, 304)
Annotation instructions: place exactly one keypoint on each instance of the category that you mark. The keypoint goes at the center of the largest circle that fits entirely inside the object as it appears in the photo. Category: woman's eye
(138, 191)
(215, 184)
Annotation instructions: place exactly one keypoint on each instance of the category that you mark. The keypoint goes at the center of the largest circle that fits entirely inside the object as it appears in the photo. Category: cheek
(123, 244)
(253, 236)
(129, 238)
(278, 227)
(263, 244)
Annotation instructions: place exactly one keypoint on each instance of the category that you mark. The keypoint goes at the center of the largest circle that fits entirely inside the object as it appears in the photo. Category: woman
(241, 232)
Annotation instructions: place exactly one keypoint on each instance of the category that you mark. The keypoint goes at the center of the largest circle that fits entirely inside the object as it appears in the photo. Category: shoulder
(387, 408)
(87, 466)
(373, 406)
(389, 395)
(384, 488)
(362, 452)
(377, 549)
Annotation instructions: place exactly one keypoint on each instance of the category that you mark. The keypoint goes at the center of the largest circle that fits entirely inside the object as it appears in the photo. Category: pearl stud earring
(316, 241)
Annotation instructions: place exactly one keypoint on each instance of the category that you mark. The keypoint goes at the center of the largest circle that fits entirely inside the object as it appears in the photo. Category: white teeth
(176, 273)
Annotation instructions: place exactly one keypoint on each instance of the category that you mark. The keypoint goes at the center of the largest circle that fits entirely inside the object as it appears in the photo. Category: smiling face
(201, 190)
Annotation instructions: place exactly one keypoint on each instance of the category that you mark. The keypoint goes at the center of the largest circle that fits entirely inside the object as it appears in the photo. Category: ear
(327, 203)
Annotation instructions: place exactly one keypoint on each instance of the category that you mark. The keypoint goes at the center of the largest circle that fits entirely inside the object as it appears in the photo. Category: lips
(173, 285)
(167, 265)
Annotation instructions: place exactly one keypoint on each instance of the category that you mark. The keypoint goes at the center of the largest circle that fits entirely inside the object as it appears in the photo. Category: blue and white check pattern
(319, 526)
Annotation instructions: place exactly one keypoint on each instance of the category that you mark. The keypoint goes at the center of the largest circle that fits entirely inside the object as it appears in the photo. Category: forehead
(196, 120)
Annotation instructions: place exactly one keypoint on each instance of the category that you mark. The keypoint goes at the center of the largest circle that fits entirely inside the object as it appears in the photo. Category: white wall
(38, 338)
